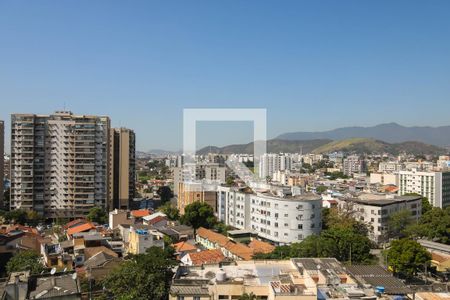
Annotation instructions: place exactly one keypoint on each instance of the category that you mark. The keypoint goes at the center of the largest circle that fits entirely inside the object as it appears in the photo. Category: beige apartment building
(190, 192)
(122, 169)
(2, 160)
(59, 163)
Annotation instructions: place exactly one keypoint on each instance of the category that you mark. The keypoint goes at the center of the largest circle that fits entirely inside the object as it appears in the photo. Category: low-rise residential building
(231, 249)
(142, 238)
(375, 210)
(305, 279)
(24, 286)
(384, 178)
(198, 258)
(117, 217)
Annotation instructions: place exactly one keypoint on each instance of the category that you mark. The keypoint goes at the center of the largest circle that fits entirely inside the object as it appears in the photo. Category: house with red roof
(213, 256)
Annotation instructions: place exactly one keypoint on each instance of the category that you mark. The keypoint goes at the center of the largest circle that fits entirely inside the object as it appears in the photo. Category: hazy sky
(314, 65)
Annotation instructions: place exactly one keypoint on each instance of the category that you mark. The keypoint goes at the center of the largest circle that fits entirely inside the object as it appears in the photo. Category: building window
(180, 297)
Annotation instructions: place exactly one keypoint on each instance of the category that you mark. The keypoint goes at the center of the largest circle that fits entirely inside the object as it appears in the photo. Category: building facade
(270, 163)
(59, 163)
(278, 215)
(196, 172)
(353, 164)
(2, 161)
(190, 192)
(122, 171)
(375, 211)
(433, 185)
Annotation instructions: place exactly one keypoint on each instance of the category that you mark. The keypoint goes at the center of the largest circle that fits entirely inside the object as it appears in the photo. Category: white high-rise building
(270, 163)
(433, 185)
(59, 163)
(280, 215)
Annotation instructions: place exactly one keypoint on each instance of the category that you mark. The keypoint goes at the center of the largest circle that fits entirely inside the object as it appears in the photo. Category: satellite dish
(65, 269)
(53, 271)
(74, 276)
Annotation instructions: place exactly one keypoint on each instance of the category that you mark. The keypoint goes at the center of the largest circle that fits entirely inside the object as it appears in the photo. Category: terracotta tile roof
(206, 257)
(440, 258)
(140, 213)
(91, 251)
(75, 222)
(240, 250)
(212, 236)
(21, 228)
(80, 228)
(261, 247)
(183, 247)
(156, 220)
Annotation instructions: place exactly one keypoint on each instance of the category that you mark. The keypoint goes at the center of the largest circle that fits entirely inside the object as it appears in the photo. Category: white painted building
(270, 163)
(433, 185)
(375, 210)
(384, 178)
(389, 166)
(280, 215)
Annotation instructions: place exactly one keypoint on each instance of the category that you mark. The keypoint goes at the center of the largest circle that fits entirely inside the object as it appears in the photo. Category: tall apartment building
(270, 163)
(433, 185)
(280, 215)
(2, 160)
(353, 164)
(59, 163)
(122, 171)
(198, 171)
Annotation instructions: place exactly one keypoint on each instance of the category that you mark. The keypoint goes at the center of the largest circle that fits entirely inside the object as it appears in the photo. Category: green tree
(25, 260)
(16, 216)
(407, 257)
(98, 215)
(433, 225)
(222, 228)
(229, 180)
(170, 211)
(321, 189)
(144, 276)
(426, 205)
(33, 218)
(165, 193)
(398, 222)
(247, 296)
(198, 214)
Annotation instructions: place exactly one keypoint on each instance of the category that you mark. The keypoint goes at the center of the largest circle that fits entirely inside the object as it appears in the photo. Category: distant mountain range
(354, 145)
(390, 133)
(274, 146)
(390, 138)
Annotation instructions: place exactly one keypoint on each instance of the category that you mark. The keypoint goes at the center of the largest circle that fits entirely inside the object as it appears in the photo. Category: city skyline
(313, 66)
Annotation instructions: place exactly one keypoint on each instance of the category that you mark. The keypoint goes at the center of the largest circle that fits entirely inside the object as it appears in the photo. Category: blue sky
(314, 65)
